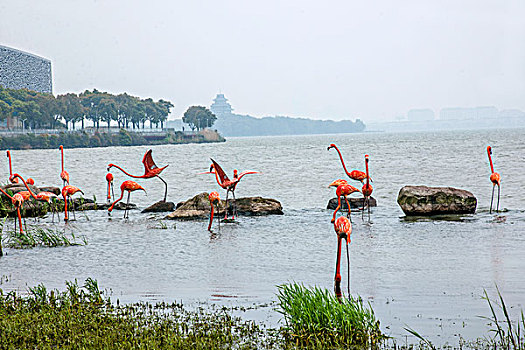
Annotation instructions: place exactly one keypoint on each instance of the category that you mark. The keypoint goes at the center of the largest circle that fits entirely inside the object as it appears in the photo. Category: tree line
(38, 110)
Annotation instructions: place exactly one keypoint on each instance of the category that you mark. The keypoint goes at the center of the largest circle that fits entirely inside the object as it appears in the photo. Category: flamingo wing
(246, 173)
(222, 175)
(148, 162)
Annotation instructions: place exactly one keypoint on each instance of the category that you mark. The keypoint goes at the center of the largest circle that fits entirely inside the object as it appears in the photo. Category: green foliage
(315, 317)
(82, 318)
(199, 117)
(34, 236)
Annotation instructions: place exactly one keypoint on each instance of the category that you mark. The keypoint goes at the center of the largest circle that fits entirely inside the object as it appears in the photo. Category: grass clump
(34, 236)
(314, 317)
(83, 318)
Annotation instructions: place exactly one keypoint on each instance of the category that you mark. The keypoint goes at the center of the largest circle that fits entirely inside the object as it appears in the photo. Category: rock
(423, 200)
(160, 206)
(355, 203)
(198, 207)
(15, 188)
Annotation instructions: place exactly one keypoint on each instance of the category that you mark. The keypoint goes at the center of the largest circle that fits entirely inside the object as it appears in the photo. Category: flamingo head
(13, 179)
(338, 183)
(235, 173)
(489, 150)
(214, 197)
(331, 146)
(109, 177)
(61, 147)
(30, 181)
(366, 158)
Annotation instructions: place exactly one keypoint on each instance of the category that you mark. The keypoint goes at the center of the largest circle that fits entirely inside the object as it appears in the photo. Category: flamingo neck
(124, 171)
(342, 161)
(27, 186)
(367, 177)
(9, 156)
(211, 216)
(490, 161)
(118, 200)
(62, 153)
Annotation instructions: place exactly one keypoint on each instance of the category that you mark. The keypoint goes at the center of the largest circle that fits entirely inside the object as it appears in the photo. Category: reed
(314, 317)
(34, 236)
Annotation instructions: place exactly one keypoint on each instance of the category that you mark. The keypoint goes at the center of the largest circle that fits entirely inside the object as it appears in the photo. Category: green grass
(315, 318)
(34, 236)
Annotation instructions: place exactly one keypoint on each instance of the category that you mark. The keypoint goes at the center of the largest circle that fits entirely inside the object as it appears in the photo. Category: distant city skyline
(336, 60)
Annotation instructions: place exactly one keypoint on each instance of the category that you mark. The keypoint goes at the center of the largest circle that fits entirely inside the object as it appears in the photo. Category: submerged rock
(198, 207)
(159, 207)
(355, 203)
(423, 200)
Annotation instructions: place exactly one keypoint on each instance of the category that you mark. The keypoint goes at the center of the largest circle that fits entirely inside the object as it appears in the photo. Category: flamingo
(67, 192)
(214, 200)
(17, 201)
(343, 189)
(226, 183)
(343, 229)
(150, 170)
(366, 190)
(129, 186)
(15, 180)
(109, 179)
(48, 197)
(19, 198)
(64, 175)
(495, 178)
(354, 174)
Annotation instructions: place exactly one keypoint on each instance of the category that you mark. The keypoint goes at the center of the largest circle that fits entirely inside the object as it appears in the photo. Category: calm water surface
(427, 274)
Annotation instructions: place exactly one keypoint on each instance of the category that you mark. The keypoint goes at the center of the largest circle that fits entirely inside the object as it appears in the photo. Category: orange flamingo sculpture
(64, 175)
(129, 186)
(343, 189)
(495, 178)
(150, 170)
(366, 190)
(214, 201)
(67, 192)
(354, 174)
(109, 179)
(343, 229)
(227, 184)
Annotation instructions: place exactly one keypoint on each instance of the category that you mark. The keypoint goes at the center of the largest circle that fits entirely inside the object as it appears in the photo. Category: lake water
(427, 274)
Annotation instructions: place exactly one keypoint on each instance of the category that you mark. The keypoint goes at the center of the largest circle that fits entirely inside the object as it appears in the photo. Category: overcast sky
(319, 59)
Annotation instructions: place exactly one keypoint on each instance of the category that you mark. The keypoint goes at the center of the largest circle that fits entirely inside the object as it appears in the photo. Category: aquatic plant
(38, 236)
(510, 335)
(314, 317)
(81, 317)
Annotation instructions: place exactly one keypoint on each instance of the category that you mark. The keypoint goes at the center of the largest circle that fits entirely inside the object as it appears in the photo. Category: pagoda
(220, 106)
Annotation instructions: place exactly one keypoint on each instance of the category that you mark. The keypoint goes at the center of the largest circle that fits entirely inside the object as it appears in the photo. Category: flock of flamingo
(342, 225)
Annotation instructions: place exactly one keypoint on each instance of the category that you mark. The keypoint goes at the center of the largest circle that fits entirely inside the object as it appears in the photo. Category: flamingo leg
(234, 205)
(368, 206)
(19, 220)
(73, 209)
(65, 210)
(113, 191)
(363, 210)
(337, 279)
(492, 199)
(348, 265)
(227, 206)
(127, 204)
(218, 216)
(166, 187)
(497, 207)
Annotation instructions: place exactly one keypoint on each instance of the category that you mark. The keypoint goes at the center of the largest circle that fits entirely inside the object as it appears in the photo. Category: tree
(199, 117)
(70, 108)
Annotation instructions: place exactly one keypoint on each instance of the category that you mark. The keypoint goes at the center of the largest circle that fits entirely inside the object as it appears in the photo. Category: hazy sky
(319, 59)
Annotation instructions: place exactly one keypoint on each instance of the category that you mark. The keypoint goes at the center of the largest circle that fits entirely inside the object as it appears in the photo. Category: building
(23, 70)
(220, 106)
(461, 113)
(420, 114)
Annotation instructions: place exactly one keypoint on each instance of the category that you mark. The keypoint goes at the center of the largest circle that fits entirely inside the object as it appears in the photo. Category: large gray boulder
(424, 200)
(198, 207)
(160, 206)
(355, 203)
